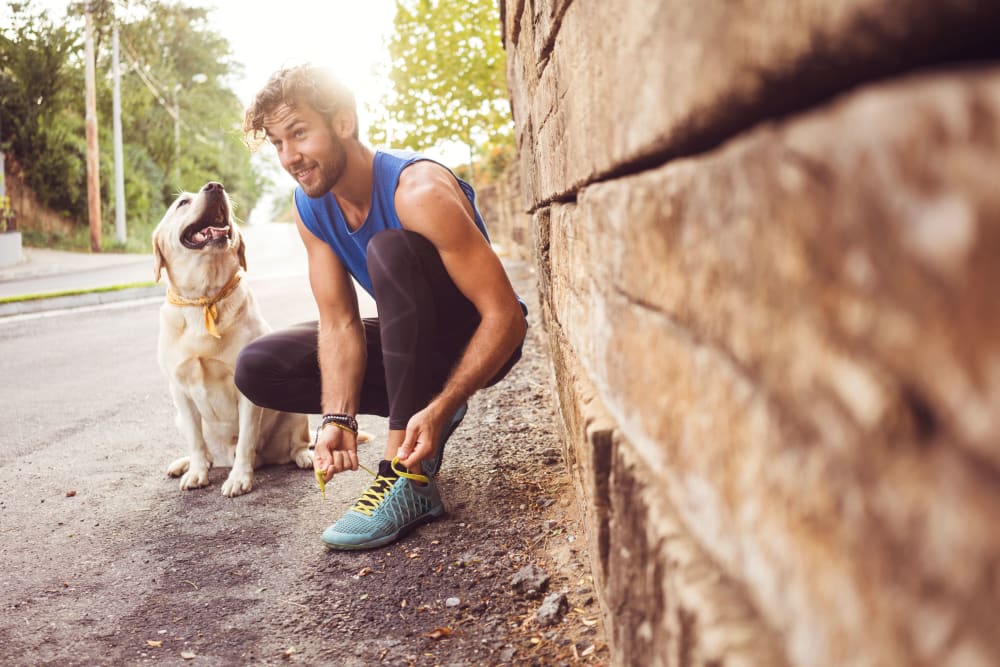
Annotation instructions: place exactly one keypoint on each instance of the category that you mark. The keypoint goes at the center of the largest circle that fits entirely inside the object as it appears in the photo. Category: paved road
(89, 525)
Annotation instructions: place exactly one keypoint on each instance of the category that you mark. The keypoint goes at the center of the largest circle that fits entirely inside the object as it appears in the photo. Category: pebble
(552, 609)
(530, 581)
(452, 602)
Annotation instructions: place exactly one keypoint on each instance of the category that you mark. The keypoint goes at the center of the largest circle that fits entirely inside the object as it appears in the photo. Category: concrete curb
(79, 300)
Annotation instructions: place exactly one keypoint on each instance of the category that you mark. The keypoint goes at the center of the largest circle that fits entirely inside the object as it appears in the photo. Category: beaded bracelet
(341, 421)
(347, 421)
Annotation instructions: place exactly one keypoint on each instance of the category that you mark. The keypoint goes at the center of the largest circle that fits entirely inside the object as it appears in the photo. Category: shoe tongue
(385, 469)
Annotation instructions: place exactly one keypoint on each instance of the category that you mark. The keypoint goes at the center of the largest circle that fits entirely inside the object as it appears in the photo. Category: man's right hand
(336, 451)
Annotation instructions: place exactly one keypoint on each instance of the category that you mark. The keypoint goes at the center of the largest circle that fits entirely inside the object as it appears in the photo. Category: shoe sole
(451, 429)
(436, 513)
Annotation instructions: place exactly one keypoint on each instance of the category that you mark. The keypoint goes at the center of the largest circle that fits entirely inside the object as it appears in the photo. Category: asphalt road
(86, 511)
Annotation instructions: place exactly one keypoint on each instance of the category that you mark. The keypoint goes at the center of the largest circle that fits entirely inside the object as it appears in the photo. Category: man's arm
(430, 202)
(341, 350)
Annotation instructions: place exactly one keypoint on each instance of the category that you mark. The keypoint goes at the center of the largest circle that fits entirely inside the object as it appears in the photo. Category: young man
(407, 229)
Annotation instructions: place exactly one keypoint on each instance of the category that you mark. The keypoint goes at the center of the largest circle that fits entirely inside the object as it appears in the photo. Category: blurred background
(427, 77)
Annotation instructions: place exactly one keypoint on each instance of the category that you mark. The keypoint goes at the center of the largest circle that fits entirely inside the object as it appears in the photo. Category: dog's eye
(183, 202)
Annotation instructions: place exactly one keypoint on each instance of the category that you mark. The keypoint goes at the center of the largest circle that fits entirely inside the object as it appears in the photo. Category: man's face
(307, 147)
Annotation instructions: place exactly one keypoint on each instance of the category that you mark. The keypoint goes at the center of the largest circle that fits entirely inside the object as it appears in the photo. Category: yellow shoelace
(375, 494)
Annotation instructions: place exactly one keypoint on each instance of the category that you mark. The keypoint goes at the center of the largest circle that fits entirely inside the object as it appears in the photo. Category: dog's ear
(160, 261)
(241, 252)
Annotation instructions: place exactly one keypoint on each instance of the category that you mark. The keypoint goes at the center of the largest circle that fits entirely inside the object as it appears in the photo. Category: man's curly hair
(306, 85)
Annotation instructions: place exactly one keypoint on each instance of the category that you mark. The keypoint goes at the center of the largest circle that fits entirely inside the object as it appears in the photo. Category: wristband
(341, 421)
(347, 421)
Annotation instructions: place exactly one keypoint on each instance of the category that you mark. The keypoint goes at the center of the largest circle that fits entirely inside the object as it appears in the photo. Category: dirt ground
(196, 578)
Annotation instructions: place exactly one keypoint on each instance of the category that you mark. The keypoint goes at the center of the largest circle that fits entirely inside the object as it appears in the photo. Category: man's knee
(249, 372)
(389, 248)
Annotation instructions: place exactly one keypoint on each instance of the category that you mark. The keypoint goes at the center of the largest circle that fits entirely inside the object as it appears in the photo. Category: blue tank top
(324, 218)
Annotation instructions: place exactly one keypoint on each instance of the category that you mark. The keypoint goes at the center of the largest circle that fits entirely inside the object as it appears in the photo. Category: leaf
(320, 479)
(365, 571)
(439, 633)
(154, 643)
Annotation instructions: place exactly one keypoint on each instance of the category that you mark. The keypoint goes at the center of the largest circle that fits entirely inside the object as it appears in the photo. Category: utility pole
(120, 234)
(93, 163)
(177, 139)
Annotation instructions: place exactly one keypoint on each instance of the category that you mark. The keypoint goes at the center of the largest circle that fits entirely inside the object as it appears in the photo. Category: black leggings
(423, 327)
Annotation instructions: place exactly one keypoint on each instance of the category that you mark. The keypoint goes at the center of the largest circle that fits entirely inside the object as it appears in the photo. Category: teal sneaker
(392, 505)
(432, 465)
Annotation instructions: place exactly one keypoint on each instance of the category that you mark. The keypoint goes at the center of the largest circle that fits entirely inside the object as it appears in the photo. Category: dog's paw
(194, 478)
(179, 467)
(364, 436)
(304, 458)
(238, 483)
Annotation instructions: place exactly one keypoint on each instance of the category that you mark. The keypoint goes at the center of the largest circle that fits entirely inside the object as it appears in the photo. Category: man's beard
(329, 171)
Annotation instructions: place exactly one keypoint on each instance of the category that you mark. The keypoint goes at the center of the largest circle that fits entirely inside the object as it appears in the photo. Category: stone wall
(502, 208)
(768, 241)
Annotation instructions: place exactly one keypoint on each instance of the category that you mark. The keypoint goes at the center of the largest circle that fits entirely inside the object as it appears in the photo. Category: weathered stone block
(664, 600)
(603, 86)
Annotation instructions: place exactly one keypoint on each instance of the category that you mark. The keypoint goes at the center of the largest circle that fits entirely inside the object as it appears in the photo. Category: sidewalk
(55, 272)
(100, 277)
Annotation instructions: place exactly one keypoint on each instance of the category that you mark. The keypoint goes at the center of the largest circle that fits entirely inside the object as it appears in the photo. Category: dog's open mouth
(211, 228)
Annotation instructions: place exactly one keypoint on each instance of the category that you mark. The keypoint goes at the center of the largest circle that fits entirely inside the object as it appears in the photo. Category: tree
(447, 74)
(174, 78)
(174, 81)
(42, 113)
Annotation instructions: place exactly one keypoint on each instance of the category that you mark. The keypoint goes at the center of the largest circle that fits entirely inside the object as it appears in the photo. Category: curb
(43, 303)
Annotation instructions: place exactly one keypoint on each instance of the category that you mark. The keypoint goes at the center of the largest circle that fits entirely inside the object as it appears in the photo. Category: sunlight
(345, 36)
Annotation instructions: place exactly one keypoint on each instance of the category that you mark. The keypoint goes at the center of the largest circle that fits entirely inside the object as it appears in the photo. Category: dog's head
(198, 228)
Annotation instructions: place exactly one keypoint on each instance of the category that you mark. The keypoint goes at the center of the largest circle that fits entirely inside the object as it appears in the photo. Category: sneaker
(433, 464)
(392, 505)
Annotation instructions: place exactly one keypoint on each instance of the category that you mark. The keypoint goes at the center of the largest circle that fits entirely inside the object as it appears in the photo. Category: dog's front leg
(193, 469)
(240, 478)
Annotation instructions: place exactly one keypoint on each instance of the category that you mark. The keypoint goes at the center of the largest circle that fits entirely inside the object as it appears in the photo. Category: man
(407, 229)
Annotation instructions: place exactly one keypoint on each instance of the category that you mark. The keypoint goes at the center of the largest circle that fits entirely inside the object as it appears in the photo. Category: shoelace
(375, 494)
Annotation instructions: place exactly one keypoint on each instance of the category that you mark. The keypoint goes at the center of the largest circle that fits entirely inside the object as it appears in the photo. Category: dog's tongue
(209, 234)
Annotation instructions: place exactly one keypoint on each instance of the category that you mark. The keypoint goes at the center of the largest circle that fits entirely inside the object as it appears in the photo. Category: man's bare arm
(341, 350)
(430, 202)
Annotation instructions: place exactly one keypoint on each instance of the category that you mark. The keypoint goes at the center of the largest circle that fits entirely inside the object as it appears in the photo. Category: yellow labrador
(208, 317)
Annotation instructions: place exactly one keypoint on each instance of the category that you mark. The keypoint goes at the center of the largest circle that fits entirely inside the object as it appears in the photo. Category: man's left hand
(421, 438)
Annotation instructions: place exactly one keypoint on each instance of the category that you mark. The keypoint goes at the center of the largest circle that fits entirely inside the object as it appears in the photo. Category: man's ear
(345, 123)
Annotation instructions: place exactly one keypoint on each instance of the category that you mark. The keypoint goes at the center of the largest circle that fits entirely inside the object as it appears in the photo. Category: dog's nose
(212, 186)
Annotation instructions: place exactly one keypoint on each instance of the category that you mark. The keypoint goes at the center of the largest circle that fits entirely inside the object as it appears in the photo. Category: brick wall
(768, 241)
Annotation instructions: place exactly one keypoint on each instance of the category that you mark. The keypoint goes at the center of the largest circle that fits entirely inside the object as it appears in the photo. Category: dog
(208, 317)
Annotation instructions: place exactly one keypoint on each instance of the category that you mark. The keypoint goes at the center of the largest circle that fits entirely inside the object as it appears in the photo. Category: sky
(347, 36)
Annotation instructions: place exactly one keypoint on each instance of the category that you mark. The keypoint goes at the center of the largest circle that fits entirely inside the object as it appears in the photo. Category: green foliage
(40, 108)
(174, 70)
(447, 77)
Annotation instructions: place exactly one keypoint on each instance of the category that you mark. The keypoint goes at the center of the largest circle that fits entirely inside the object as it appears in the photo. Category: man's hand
(336, 451)
(422, 434)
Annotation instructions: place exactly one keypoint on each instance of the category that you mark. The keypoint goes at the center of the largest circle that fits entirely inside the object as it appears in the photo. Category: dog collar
(208, 304)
